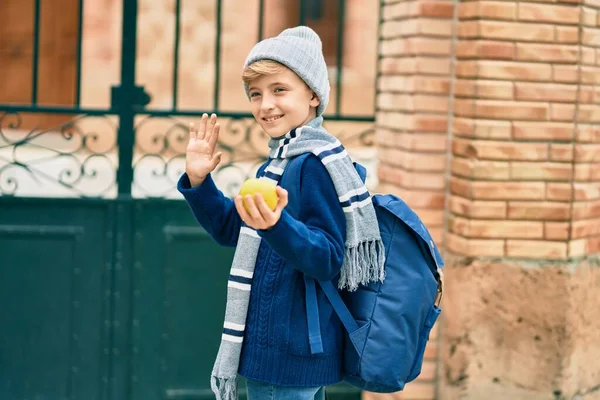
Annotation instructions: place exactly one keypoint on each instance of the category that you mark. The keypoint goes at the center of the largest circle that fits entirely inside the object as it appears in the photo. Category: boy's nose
(267, 103)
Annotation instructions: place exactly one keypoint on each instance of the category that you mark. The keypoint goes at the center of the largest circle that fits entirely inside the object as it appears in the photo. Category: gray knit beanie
(300, 49)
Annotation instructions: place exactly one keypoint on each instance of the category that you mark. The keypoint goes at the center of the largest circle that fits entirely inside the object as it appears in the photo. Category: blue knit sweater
(308, 239)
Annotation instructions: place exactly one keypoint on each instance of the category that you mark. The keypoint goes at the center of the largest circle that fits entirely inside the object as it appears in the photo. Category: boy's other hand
(260, 216)
(200, 157)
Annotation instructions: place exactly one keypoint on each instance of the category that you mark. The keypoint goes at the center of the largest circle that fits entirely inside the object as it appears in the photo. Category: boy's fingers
(216, 159)
(214, 137)
(283, 198)
(253, 211)
(211, 124)
(239, 205)
(193, 131)
(263, 208)
(202, 129)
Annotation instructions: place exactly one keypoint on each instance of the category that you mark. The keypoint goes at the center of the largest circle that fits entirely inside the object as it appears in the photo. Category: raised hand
(200, 157)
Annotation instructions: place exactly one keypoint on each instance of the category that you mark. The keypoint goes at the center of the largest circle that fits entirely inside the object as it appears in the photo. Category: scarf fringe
(224, 388)
(363, 263)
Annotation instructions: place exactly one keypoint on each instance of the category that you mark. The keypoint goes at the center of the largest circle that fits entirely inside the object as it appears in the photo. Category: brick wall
(522, 203)
(412, 126)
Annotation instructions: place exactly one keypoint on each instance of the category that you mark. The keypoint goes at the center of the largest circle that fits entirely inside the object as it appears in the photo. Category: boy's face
(281, 102)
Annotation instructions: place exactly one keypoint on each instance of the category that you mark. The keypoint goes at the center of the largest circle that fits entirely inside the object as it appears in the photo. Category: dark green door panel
(110, 300)
(180, 280)
(53, 277)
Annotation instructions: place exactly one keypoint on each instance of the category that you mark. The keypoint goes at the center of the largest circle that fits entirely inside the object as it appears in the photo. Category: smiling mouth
(272, 119)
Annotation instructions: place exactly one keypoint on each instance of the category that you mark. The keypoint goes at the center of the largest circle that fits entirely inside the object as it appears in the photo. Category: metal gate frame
(121, 326)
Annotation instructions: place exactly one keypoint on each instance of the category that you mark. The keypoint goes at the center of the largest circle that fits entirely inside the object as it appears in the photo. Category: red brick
(593, 245)
(589, 113)
(475, 247)
(487, 10)
(432, 65)
(411, 180)
(561, 152)
(587, 153)
(590, 75)
(492, 129)
(427, 46)
(460, 187)
(494, 90)
(536, 249)
(567, 34)
(585, 228)
(424, 142)
(464, 107)
(547, 92)
(393, 47)
(541, 171)
(559, 191)
(466, 69)
(476, 169)
(478, 209)
(464, 88)
(591, 37)
(511, 110)
(435, 27)
(505, 229)
(414, 198)
(547, 53)
(562, 112)
(589, 17)
(587, 209)
(486, 49)
(588, 133)
(577, 248)
(495, 150)
(556, 230)
(413, 161)
(514, 71)
(548, 13)
(564, 73)
(516, 31)
(468, 29)
(587, 172)
(464, 127)
(539, 210)
(430, 103)
(551, 131)
(436, 9)
(507, 190)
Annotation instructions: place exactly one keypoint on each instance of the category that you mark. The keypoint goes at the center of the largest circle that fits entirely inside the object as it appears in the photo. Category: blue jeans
(264, 391)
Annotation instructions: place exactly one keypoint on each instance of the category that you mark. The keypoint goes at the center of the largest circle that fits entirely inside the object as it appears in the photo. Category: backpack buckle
(440, 288)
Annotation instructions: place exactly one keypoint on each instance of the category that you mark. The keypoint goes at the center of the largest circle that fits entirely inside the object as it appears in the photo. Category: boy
(326, 229)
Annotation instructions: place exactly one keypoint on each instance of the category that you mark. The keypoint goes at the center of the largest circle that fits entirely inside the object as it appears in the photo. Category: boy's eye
(280, 89)
(254, 94)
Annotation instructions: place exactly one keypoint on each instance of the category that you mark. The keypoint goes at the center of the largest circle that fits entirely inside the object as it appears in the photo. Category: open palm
(200, 157)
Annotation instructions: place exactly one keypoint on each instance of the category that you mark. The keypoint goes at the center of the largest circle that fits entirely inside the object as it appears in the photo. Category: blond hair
(260, 68)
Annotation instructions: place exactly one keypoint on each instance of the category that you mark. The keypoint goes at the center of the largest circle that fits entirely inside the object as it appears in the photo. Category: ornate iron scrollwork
(159, 157)
(72, 160)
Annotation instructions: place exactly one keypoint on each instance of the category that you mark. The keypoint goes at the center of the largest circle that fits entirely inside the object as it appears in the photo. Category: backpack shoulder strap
(312, 310)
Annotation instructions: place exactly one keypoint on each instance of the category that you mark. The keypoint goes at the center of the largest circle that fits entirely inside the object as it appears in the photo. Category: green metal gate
(104, 296)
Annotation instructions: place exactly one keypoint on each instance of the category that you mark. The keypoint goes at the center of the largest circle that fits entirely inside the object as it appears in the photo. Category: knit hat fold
(300, 49)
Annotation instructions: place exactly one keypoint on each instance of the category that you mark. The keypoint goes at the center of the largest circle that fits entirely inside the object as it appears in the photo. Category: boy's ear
(314, 100)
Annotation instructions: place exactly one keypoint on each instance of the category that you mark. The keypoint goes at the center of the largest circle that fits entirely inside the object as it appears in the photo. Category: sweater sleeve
(212, 209)
(314, 245)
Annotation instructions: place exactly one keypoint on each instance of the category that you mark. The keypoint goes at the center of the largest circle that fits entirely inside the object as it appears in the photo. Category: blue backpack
(388, 323)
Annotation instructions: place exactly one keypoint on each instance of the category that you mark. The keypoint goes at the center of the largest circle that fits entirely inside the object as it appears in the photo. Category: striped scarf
(363, 258)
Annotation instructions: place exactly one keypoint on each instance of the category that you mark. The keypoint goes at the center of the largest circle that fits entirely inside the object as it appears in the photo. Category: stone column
(412, 122)
(523, 285)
